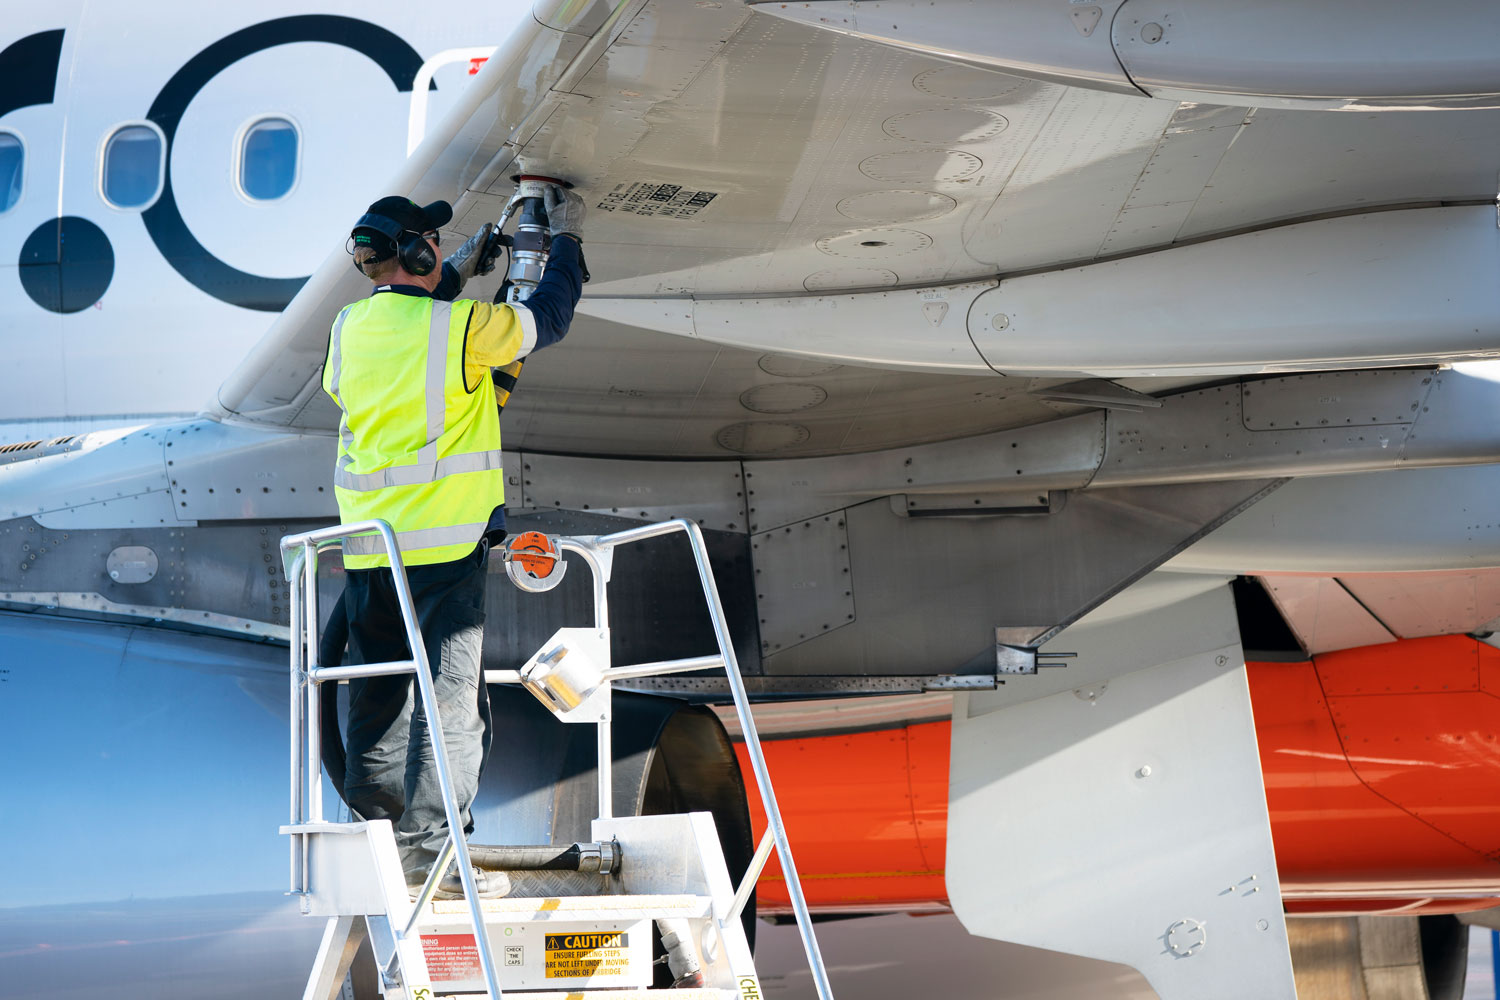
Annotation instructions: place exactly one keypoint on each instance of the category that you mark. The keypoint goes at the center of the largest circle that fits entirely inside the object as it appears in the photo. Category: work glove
(564, 211)
(475, 256)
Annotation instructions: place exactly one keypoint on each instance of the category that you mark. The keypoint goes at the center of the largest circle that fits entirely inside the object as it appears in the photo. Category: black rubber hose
(550, 858)
(331, 654)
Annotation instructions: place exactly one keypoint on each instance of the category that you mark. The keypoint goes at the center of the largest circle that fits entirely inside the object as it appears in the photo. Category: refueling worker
(419, 446)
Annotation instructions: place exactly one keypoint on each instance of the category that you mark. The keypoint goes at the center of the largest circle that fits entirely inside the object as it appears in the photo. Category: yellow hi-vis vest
(417, 446)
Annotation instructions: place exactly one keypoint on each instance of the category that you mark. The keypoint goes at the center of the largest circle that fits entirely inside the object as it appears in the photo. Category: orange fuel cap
(534, 552)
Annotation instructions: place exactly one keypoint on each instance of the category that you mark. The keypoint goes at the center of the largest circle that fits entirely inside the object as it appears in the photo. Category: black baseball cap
(391, 216)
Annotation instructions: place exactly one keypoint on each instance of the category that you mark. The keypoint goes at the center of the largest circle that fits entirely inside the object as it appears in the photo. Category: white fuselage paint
(154, 344)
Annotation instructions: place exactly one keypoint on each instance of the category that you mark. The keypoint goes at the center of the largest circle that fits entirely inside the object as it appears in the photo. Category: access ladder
(592, 929)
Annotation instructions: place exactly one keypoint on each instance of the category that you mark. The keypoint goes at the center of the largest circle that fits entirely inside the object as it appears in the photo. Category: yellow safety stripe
(504, 380)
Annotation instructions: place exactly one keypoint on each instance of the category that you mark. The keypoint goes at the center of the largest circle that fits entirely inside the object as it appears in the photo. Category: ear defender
(413, 252)
(416, 254)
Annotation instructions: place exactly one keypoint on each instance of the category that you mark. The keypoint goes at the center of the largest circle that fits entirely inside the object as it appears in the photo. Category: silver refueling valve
(532, 240)
(528, 247)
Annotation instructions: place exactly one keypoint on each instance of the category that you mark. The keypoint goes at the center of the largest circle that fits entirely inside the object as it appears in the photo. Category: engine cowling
(1382, 771)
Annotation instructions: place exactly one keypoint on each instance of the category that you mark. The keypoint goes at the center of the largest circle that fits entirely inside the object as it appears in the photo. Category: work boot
(491, 885)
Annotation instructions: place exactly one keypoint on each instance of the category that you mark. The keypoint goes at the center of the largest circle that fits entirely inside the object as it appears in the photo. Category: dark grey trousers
(391, 774)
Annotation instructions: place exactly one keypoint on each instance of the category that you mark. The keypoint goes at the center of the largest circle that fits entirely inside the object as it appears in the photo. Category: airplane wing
(806, 242)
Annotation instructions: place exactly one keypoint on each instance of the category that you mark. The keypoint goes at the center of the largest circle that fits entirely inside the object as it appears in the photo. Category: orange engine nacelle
(1382, 772)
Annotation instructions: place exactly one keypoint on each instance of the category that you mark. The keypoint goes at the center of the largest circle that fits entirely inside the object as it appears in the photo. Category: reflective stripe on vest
(437, 504)
(335, 365)
(411, 475)
(419, 538)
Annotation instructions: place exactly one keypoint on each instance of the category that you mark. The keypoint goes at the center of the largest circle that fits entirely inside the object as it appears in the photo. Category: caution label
(451, 957)
(546, 954)
(587, 956)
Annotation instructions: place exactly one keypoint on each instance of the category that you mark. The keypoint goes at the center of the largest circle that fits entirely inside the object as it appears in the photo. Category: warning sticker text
(579, 956)
(451, 957)
(666, 201)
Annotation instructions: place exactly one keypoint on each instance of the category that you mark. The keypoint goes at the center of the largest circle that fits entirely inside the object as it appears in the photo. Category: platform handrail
(598, 552)
(300, 555)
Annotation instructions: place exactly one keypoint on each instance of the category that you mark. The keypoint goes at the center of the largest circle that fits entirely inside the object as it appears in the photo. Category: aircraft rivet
(1144, 771)
(1221, 660)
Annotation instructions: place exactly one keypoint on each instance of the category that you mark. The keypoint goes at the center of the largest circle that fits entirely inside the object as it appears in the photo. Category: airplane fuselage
(164, 193)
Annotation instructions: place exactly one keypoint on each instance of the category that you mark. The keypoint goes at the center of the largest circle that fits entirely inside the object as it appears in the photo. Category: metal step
(575, 909)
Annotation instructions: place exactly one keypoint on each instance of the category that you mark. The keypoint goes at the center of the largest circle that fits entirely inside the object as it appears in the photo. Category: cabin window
(12, 160)
(134, 166)
(268, 159)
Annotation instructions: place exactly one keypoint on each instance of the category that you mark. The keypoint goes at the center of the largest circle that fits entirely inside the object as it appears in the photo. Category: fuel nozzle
(532, 240)
(528, 246)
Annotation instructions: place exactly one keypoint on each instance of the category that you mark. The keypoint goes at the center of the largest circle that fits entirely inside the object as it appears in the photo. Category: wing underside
(726, 154)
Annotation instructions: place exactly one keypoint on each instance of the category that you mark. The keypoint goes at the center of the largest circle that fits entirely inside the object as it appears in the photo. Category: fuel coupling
(532, 240)
(528, 247)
